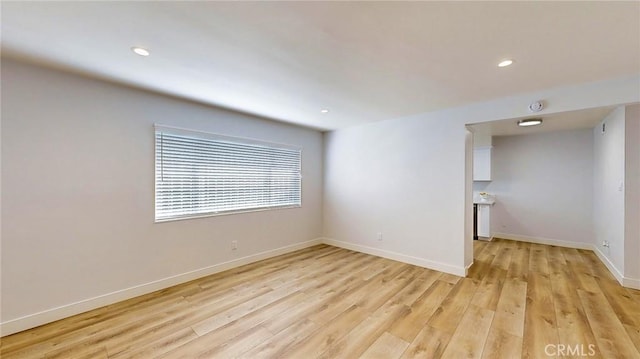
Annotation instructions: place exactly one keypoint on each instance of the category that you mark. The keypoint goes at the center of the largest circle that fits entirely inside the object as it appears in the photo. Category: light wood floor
(325, 302)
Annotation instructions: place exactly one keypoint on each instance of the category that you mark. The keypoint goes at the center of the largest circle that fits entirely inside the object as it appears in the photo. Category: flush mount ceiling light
(140, 51)
(324, 110)
(505, 63)
(530, 122)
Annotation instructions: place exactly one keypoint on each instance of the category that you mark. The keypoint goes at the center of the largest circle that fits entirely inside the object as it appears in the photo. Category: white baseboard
(607, 263)
(466, 269)
(631, 283)
(547, 241)
(624, 281)
(421, 262)
(53, 314)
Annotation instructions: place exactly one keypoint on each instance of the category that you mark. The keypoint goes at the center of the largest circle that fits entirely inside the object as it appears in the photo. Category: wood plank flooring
(325, 302)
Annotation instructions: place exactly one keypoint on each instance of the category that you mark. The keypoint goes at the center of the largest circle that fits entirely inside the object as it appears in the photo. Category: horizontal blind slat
(198, 176)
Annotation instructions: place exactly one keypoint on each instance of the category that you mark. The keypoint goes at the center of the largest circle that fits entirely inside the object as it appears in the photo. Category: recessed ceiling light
(505, 63)
(140, 51)
(530, 122)
(324, 110)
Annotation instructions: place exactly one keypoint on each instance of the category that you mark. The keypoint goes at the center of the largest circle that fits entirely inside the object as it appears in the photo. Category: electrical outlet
(234, 245)
(379, 236)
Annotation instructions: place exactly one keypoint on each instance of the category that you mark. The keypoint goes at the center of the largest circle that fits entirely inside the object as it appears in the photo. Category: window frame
(179, 131)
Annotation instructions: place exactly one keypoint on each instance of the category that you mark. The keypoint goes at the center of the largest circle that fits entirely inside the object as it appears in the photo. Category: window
(200, 174)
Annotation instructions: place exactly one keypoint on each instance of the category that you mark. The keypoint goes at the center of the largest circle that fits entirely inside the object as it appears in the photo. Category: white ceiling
(550, 123)
(365, 61)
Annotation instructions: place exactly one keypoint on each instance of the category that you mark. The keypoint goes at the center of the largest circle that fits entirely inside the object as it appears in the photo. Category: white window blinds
(200, 174)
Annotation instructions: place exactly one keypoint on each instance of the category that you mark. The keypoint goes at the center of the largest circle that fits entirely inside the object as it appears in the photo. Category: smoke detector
(536, 106)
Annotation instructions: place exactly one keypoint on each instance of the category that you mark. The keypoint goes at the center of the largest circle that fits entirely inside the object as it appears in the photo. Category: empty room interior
(320, 179)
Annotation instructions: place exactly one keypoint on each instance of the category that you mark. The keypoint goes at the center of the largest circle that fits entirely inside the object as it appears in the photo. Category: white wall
(543, 184)
(632, 194)
(406, 177)
(482, 140)
(78, 193)
(608, 195)
(77, 187)
(468, 222)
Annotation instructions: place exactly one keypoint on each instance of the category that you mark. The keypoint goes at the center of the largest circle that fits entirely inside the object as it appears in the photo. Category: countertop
(490, 200)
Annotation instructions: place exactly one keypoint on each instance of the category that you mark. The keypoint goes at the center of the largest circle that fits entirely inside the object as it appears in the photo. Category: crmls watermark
(570, 350)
